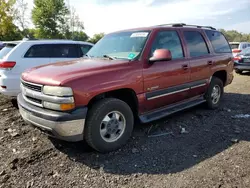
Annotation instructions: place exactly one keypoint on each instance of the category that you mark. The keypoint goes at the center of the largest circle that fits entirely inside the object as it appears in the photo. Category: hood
(58, 73)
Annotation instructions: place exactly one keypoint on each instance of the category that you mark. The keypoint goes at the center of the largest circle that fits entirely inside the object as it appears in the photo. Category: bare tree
(21, 14)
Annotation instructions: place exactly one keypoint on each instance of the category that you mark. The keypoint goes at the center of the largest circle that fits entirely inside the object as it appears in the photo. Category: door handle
(210, 62)
(185, 67)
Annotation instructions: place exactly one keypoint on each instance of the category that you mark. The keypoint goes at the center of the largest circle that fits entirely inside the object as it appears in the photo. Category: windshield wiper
(110, 57)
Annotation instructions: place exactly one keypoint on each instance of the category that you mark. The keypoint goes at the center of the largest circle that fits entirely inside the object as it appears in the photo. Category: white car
(237, 47)
(18, 56)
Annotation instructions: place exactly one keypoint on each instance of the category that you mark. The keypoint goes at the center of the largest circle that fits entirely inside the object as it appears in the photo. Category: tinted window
(65, 51)
(168, 40)
(219, 42)
(41, 50)
(84, 49)
(196, 43)
(234, 46)
(53, 51)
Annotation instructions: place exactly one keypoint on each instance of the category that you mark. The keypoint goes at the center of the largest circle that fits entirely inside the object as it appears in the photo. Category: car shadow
(172, 144)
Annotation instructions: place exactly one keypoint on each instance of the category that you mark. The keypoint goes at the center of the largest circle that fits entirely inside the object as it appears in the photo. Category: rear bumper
(12, 82)
(62, 125)
(242, 66)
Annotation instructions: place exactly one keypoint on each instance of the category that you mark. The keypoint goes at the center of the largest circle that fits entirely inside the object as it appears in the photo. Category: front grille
(34, 100)
(32, 86)
(30, 98)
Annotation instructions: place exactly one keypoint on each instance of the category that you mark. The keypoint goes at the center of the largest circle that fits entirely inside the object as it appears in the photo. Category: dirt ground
(201, 148)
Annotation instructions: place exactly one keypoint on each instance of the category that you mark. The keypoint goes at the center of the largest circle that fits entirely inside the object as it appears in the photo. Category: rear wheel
(214, 93)
(238, 71)
(109, 125)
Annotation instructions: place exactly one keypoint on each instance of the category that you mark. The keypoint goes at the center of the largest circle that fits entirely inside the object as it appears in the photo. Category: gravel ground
(201, 148)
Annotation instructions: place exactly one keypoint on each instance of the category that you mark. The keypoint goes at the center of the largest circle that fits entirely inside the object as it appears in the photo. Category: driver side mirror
(161, 55)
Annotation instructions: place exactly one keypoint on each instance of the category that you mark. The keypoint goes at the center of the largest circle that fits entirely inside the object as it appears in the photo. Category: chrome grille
(34, 89)
(31, 86)
(34, 100)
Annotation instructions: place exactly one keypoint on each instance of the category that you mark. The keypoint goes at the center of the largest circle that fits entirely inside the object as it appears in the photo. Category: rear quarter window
(6, 50)
(218, 41)
(84, 49)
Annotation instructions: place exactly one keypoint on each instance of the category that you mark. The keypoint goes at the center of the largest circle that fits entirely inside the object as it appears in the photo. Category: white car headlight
(57, 91)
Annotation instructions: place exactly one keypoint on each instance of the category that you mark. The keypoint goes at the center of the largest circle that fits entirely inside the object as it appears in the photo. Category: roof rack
(186, 25)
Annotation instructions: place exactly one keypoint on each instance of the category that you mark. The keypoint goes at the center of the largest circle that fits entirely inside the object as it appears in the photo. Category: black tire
(215, 82)
(93, 124)
(238, 71)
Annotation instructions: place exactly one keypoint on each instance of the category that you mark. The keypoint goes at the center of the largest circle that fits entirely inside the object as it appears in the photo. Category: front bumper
(68, 126)
(242, 66)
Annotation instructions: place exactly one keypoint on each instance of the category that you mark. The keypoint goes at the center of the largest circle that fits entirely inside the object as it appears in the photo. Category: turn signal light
(65, 107)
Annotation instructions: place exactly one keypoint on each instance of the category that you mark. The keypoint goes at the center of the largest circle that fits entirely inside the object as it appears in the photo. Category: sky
(113, 15)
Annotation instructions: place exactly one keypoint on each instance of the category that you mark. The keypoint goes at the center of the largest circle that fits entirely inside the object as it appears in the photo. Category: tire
(238, 71)
(210, 97)
(95, 125)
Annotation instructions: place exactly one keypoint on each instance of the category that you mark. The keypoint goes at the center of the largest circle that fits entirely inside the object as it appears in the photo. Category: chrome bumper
(64, 126)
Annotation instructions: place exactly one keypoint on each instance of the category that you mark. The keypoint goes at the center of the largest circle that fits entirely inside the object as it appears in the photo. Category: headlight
(59, 107)
(57, 91)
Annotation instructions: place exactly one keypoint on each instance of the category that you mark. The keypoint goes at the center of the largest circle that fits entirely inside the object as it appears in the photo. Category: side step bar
(160, 113)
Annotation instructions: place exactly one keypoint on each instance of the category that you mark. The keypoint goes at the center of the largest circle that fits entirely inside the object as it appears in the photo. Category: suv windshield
(123, 45)
(6, 50)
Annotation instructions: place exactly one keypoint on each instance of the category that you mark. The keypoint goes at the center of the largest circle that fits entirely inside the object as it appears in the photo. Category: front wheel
(214, 93)
(109, 125)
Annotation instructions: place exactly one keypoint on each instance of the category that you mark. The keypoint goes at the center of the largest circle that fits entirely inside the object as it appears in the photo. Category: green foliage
(8, 30)
(79, 36)
(235, 36)
(96, 38)
(49, 18)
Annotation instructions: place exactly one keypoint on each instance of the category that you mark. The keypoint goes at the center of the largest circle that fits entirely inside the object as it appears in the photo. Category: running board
(163, 112)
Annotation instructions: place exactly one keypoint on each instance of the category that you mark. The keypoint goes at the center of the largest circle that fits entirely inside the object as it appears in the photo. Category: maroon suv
(144, 74)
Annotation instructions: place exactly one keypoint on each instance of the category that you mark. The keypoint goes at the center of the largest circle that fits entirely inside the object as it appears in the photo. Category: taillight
(7, 64)
(237, 58)
(236, 51)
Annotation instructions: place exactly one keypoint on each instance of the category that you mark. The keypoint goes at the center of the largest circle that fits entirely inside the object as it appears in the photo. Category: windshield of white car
(122, 45)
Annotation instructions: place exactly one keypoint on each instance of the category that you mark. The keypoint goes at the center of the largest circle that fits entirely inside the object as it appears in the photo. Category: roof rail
(186, 25)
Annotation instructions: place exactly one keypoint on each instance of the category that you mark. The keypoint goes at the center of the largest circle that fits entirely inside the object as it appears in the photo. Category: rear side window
(219, 42)
(39, 51)
(84, 49)
(6, 50)
(168, 40)
(196, 43)
(65, 51)
(53, 51)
